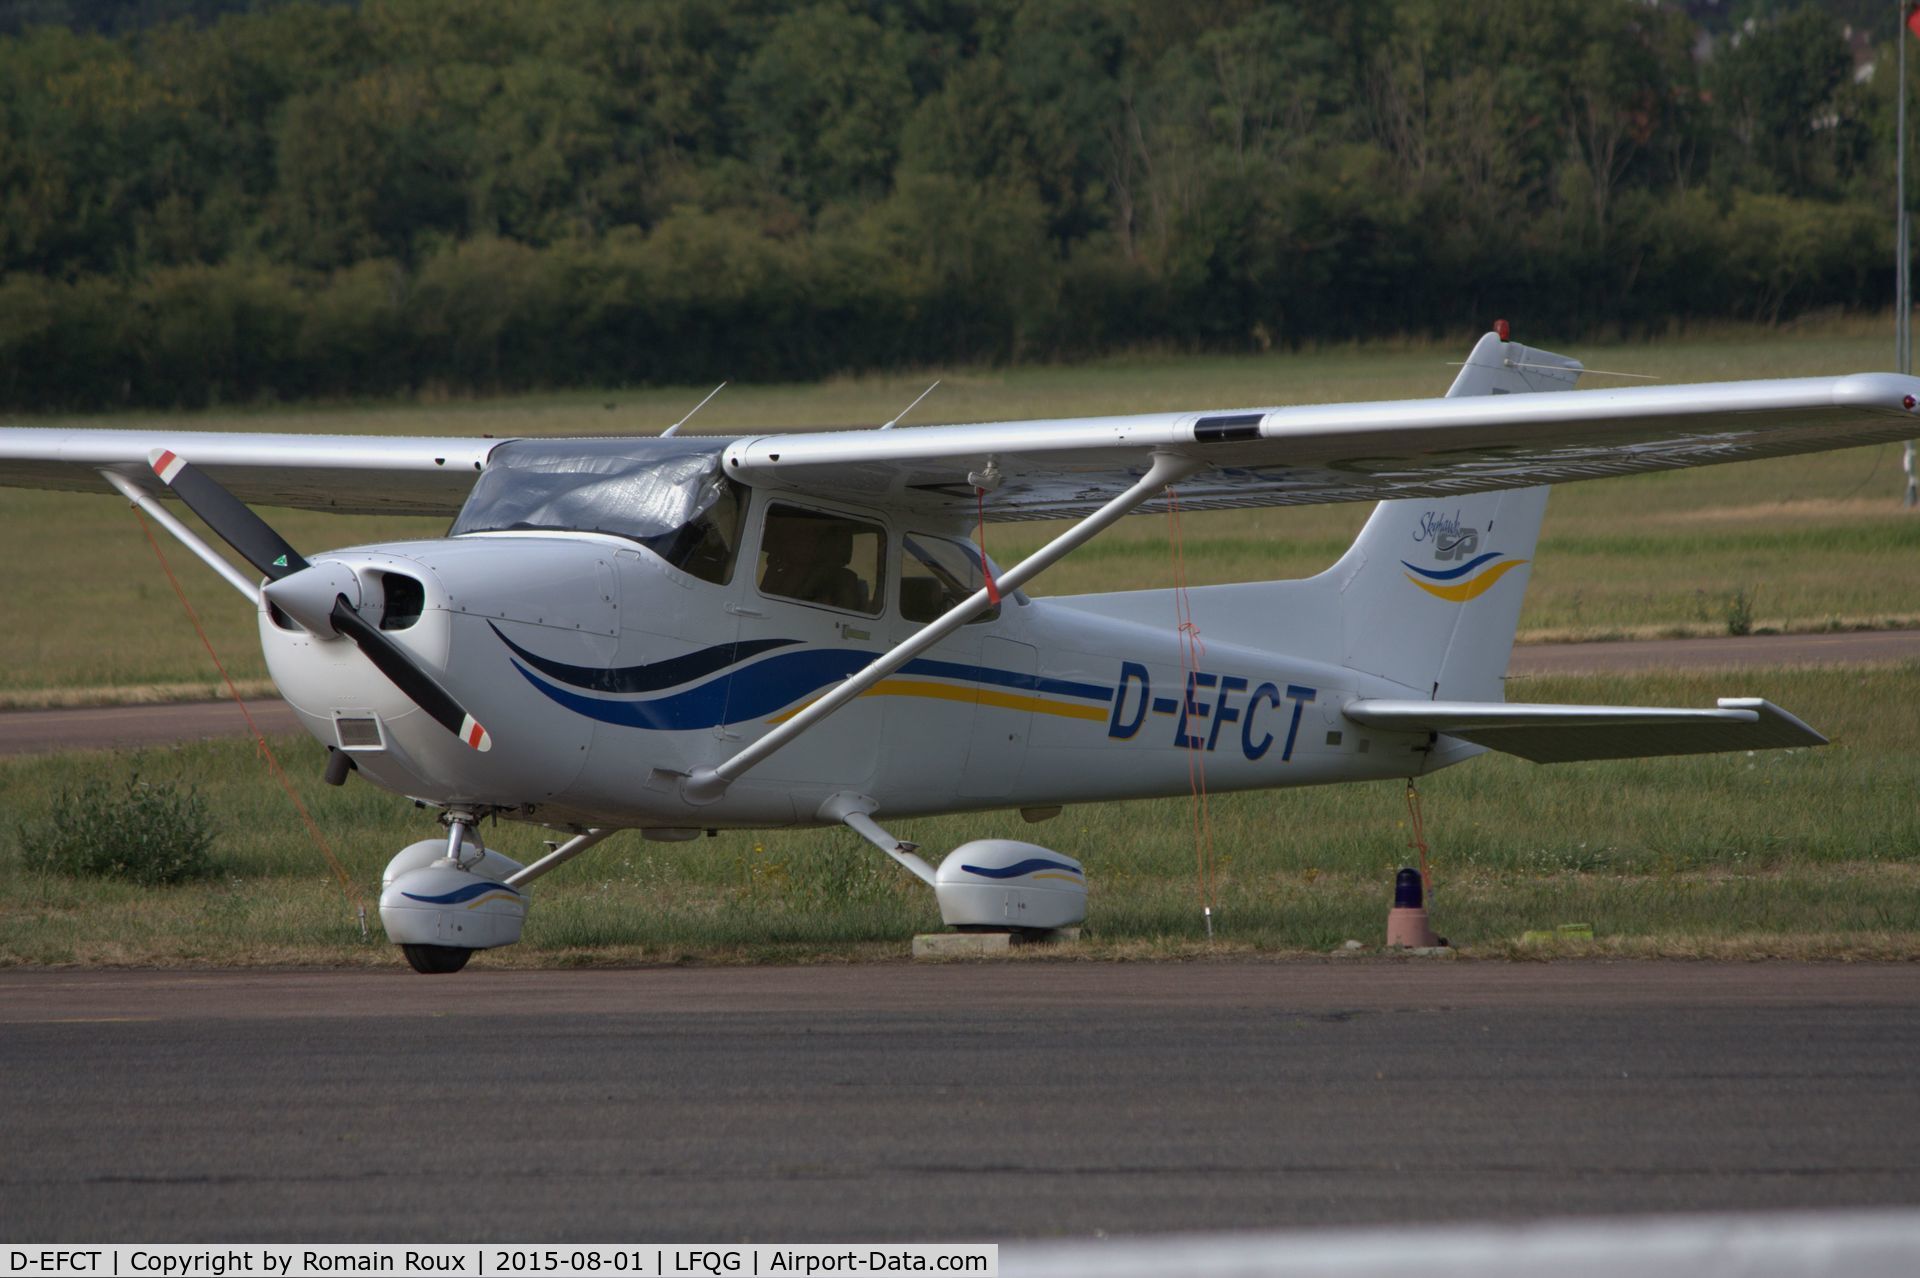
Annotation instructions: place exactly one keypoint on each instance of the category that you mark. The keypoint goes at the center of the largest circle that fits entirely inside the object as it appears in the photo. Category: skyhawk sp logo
(1452, 542)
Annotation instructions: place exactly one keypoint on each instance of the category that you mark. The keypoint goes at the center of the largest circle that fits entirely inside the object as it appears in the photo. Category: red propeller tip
(476, 736)
(166, 464)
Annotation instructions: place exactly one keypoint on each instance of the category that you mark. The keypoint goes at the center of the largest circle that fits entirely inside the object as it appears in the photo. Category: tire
(436, 960)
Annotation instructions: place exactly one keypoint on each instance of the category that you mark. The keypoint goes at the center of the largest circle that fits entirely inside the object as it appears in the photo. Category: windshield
(668, 495)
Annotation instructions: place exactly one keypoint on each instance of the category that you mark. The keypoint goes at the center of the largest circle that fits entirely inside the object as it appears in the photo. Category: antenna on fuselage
(696, 408)
(910, 407)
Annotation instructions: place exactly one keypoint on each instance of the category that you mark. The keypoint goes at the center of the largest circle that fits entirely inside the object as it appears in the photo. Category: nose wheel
(436, 960)
(442, 900)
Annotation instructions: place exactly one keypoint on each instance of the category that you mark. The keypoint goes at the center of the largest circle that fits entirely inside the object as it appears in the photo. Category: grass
(1810, 543)
(1812, 853)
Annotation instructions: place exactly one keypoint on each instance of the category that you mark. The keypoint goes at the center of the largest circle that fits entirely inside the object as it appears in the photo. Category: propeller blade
(392, 661)
(228, 516)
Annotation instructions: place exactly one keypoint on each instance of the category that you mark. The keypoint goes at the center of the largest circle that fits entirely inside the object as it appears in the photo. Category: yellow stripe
(1064, 878)
(970, 695)
(1472, 588)
(492, 896)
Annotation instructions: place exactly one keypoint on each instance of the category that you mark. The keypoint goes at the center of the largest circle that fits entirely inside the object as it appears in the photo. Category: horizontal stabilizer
(1563, 734)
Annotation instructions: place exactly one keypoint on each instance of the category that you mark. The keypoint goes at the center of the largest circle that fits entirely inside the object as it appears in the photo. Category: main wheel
(436, 960)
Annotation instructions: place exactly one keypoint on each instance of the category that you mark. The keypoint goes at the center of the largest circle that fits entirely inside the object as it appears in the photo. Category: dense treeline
(329, 199)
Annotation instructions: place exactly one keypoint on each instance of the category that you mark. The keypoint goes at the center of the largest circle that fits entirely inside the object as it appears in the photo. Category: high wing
(1339, 452)
(1069, 467)
(348, 474)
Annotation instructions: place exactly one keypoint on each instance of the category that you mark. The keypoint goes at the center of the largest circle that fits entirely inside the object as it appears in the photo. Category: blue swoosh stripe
(760, 689)
(652, 676)
(458, 895)
(1449, 574)
(656, 675)
(1018, 868)
(750, 693)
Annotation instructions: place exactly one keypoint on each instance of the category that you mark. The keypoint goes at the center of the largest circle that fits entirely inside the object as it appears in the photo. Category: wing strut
(704, 785)
(185, 536)
(559, 856)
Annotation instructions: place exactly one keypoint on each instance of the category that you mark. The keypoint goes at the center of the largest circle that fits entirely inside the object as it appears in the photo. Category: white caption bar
(501, 1260)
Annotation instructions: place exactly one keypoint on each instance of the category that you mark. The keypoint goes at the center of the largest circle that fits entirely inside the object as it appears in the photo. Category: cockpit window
(668, 495)
(937, 573)
(821, 557)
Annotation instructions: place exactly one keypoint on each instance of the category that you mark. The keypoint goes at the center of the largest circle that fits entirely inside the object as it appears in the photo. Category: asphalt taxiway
(977, 1101)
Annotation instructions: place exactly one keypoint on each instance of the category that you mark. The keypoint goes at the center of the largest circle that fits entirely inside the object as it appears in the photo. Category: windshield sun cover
(652, 491)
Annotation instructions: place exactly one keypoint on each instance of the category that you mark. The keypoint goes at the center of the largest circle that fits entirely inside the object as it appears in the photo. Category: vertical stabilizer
(1429, 595)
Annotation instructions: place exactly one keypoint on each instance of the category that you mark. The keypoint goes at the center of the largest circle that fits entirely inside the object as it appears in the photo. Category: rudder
(1430, 592)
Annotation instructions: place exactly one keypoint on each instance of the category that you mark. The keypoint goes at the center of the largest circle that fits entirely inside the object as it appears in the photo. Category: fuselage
(605, 675)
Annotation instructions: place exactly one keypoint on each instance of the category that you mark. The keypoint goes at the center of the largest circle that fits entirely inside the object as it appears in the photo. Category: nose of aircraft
(309, 596)
(327, 598)
(437, 622)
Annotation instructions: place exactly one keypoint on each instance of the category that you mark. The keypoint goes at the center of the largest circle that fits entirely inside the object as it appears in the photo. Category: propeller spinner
(321, 597)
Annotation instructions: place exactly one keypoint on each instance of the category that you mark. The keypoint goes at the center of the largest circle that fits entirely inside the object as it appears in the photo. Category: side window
(935, 574)
(819, 557)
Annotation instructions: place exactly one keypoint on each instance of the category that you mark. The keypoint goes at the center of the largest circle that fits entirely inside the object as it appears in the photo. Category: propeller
(316, 595)
(227, 515)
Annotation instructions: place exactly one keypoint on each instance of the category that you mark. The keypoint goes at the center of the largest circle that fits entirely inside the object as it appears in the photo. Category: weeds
(149, 834)
(1739, 612)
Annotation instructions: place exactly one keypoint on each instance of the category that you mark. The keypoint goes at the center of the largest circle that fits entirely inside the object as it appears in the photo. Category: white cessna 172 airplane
(699, 633)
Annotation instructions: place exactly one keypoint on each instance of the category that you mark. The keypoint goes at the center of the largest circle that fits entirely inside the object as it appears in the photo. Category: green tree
(820, 104)
(1774, 88)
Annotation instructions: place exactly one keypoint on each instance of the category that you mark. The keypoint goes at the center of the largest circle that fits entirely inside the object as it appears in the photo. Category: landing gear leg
(459, 824)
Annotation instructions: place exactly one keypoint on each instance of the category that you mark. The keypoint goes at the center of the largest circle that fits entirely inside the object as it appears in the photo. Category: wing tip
(1892, 392)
